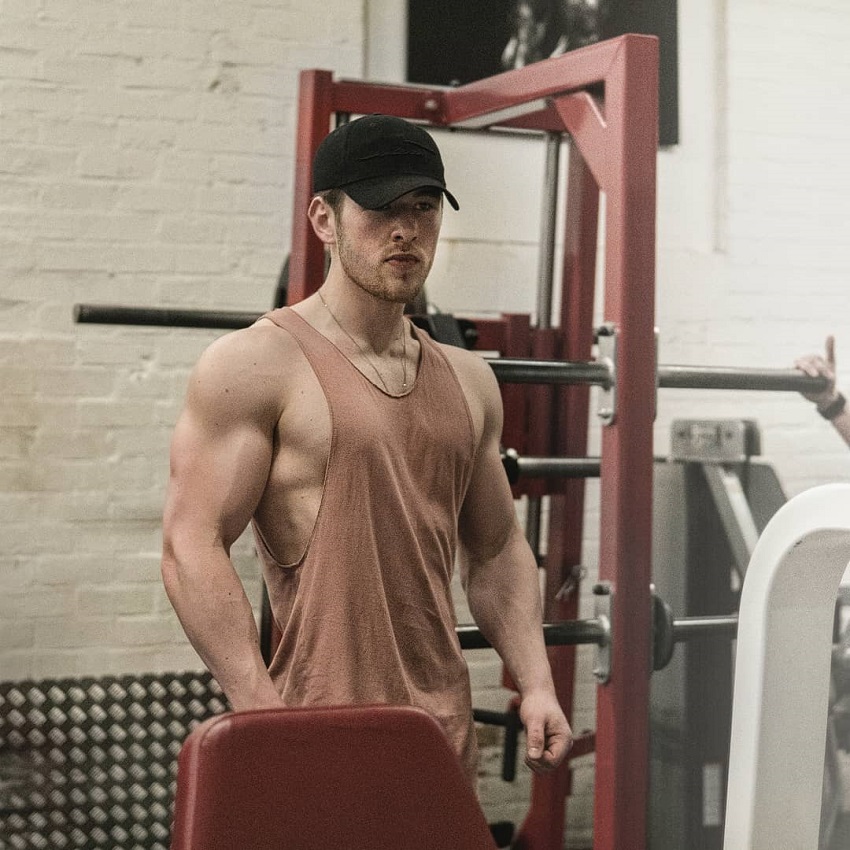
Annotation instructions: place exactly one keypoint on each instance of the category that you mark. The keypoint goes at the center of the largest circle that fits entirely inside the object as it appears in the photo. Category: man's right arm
(221, 452)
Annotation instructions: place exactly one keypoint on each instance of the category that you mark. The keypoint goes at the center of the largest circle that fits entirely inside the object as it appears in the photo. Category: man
(366, 456)
(829, 403)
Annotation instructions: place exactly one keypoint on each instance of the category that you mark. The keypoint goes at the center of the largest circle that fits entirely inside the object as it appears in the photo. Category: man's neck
(370, 320)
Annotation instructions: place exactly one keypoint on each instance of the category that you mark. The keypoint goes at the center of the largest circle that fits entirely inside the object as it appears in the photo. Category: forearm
(218, 620)
(503, 592)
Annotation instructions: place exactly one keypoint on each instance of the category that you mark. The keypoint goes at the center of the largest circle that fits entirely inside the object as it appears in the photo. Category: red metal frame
(614, 144)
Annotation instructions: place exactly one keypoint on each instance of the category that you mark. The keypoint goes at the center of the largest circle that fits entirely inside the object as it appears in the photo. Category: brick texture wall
(145, 159)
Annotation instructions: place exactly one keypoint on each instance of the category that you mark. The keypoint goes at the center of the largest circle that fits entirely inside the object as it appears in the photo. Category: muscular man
(830, 403)
(367, 457)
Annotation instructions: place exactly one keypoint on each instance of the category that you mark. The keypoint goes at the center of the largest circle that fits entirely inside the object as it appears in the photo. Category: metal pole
(508, 370)
(108, 314)
(595, 631)
(558, 467)
(692, 628)
(521, 371)
(533, 515)
(545, 285)
(730, 378)
(570, 632)
(548, 219)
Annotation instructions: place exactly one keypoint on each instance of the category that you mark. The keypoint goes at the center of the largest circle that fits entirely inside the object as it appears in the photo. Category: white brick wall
(146, 157)
(780, 284)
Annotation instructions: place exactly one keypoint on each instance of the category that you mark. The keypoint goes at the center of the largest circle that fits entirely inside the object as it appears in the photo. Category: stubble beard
(399, 290)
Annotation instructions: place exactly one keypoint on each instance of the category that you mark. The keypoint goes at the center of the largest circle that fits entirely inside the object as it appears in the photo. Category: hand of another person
(817, 366)
(548, 735)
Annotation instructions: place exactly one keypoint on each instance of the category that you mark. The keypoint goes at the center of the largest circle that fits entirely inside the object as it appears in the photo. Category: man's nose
(404, 227)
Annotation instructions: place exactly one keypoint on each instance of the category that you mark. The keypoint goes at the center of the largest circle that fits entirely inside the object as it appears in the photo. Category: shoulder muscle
(480, 387)
(239, 376)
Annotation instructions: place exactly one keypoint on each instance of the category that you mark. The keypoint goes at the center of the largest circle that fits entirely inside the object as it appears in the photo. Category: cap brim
(377, 192)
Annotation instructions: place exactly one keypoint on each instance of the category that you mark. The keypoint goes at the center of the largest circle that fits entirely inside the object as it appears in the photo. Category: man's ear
(323, 220)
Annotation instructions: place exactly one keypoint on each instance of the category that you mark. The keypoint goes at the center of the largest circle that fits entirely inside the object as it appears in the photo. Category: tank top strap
(323, 356)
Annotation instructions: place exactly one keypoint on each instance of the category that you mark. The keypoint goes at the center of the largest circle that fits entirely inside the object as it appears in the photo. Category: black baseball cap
(378, 158)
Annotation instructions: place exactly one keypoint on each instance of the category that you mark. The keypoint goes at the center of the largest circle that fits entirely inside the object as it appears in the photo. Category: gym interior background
(147, 159)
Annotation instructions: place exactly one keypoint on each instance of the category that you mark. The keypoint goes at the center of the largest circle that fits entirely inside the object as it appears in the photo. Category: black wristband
(835, 407)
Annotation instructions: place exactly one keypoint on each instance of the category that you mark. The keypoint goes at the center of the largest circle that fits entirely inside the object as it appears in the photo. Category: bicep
(216, 480)
(221, 453)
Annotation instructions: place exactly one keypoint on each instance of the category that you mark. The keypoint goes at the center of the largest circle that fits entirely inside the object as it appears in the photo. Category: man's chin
(402, 293)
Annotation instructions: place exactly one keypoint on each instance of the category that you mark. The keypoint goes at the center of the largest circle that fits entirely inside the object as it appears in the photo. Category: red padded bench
(351, 778)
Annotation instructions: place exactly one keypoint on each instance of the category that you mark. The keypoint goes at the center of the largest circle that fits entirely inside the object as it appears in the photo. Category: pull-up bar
(509, 370)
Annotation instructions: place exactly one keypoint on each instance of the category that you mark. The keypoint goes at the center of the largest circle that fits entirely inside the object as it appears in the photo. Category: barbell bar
(667, 631)
(509, 370)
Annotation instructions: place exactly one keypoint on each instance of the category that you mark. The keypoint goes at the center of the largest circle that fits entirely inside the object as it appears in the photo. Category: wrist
(832, 408)
(533, 688)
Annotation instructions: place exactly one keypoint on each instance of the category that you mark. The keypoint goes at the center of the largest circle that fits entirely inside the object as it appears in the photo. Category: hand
(817, 366)
(547, 733)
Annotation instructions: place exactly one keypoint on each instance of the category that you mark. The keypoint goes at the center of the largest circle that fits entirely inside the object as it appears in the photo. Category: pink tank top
(367, 616)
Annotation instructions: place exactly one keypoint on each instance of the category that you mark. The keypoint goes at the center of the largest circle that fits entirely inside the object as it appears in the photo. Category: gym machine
(712, 500)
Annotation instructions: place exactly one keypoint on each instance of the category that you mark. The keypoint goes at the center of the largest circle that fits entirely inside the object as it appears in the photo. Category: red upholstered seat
(352, 778)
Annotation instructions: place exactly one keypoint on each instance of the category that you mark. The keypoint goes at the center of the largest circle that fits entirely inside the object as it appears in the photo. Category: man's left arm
(500, 576)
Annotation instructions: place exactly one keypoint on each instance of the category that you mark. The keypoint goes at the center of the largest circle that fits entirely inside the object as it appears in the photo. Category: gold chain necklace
(363, 353)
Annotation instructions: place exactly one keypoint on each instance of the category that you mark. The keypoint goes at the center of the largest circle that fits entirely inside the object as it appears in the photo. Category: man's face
(388, 252)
